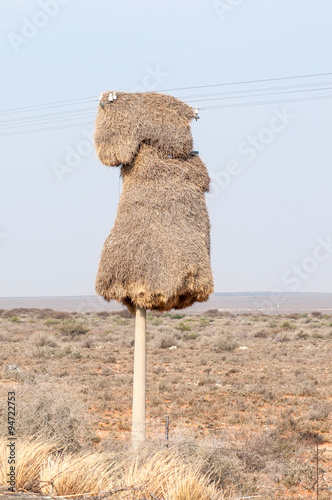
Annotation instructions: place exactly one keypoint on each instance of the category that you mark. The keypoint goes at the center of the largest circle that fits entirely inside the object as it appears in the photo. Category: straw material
(157, 255)
(133, 118)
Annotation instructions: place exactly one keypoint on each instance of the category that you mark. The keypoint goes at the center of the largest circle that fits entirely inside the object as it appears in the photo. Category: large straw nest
(133, 118)
(157, 255)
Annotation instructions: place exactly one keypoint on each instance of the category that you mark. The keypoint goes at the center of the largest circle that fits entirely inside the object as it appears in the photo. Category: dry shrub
(72, 329)
(60, 315)
(214, 313)
(17, 311)
(103, 314)
(261, 334)
(321, 411)
(122, 314)
(286, 325)
(166, 342)
(225, 342)
(42, 340)
(48, 413)
(281, 337)
(7, 314)
(293, 316)
(222, 466)
(44, 313)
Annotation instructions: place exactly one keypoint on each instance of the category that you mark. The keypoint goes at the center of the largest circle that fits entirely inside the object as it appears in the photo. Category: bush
(183, 327)
(103, 314)
(14, 319)
(225, 342)
(42, 340)
(288, 326)
(166, 342)
(302, 335)
(177, 316)
(281, 337)
(50, 414)
(321, 411)
(190, 336)
(261, 334)
(72, 329)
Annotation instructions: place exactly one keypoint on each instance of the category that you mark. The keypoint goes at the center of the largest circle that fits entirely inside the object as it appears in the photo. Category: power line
(279, 101)
(47, 129)
(223, 106)
(247, 82)
(69, 115)
(93, 98)
(41, 116)
(33, 118)
(46, 105)
(48, 121)
(261, 89)
(259, 95)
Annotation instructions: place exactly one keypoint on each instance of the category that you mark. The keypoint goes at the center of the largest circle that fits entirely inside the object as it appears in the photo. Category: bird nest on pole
(157, 255)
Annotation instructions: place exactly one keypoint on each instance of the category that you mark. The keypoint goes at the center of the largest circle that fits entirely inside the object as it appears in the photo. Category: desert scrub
(121, 321)
(72, 329)
(190, 336)
(205, 321)
(183, 327)
(286, 325)
(166, 342)
(225, 342)
(14, 319)
(52, 322)
(50, 414)
(177, 316)
(42, 340)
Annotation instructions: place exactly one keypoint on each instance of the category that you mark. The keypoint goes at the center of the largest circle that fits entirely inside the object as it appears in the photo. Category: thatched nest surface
(132, 119)
(157, 255)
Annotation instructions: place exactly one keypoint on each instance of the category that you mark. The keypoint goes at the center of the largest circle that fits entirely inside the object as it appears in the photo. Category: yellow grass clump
(72, 474)
(164, 474)
(30, 458)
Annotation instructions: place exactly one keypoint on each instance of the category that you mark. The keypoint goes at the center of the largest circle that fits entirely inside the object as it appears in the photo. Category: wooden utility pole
(139, 386)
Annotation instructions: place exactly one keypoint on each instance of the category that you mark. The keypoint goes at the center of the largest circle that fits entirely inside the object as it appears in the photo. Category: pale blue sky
(274, 214)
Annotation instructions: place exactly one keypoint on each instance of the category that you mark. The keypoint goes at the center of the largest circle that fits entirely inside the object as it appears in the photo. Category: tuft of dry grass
(32, 455)
(164, 473)
(67, 475)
